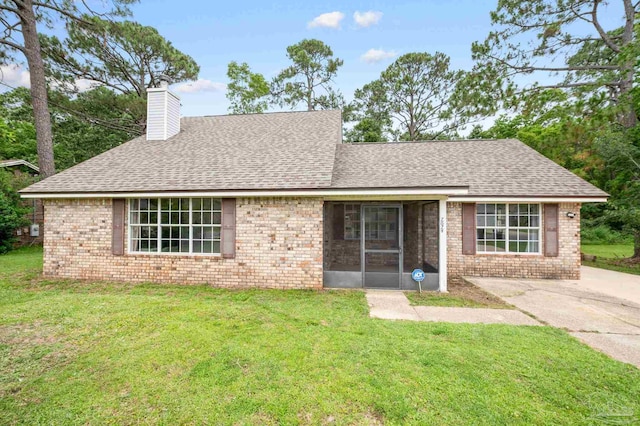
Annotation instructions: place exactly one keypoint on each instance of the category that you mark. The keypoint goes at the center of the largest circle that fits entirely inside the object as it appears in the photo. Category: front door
(381, 245)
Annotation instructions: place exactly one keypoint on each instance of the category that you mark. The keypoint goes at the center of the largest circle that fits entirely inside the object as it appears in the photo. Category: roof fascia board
(529, 199)
(444, 192)
(13, 163)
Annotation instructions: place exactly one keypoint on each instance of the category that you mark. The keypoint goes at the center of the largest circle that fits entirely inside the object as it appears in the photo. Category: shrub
(12, 211)
(603, 234)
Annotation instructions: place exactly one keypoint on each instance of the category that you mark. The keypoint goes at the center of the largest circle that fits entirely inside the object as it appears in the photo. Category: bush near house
(603, 234)
(12, 210)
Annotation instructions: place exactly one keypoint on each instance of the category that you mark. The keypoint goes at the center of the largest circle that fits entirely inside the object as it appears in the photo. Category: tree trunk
(636, 245)
(629, 118)
(38, 88)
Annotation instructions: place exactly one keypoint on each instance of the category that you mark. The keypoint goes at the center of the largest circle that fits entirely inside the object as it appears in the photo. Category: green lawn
(96, 353)
(608, 250)
(611, 256)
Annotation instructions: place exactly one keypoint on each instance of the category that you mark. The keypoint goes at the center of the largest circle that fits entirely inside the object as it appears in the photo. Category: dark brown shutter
(338, 221)
(551, 230)
(468, 228)
(228, 228)
(117, 235)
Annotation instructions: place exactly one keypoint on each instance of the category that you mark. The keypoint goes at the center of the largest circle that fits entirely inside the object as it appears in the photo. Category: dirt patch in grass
(461, 294)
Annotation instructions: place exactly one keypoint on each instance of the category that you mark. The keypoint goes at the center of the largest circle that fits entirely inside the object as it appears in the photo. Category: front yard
(94, 353)
(611, 256)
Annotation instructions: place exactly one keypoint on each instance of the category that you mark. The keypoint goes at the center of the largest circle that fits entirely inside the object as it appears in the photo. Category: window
(381, 224)
(508, 228)
(352, 221)
(175, 225)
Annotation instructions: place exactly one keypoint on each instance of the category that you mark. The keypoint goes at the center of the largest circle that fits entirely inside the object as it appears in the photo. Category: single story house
(279, 201)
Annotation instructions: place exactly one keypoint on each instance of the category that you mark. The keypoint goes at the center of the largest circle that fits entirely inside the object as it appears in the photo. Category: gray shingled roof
(303, 150)
(257, 151)
(503, 168)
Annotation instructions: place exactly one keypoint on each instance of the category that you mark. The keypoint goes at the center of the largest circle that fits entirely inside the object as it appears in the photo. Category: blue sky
(258, 32)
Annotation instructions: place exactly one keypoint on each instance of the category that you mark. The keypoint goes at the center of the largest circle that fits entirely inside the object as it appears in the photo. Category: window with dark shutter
(468, 228)
(551, 230)
(228, 228)
(117, 232)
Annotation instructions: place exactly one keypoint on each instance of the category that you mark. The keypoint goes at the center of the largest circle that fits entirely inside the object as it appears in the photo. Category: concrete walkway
(601, 309)
(611, 283)
(395, 305)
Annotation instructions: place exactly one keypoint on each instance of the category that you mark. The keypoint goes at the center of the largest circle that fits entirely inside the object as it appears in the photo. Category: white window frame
(507, 228)
(159, 225)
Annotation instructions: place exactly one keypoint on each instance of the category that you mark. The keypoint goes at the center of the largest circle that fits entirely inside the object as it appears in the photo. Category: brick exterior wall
(278, 245)
(565, 266)
(430, 222)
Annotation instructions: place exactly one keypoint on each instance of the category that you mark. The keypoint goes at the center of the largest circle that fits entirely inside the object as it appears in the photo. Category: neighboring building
(278, 201)
(31, 234)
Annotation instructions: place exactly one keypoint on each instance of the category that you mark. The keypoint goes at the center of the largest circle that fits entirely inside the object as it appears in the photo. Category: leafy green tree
(12, 211)
(93, 122)
(85, 125)
(124, 56)
(247, 91)
(19, 20)
(566, 41)
(369, 110)
(17, 140)
(620, 148)
(309, 79)
(415, 93)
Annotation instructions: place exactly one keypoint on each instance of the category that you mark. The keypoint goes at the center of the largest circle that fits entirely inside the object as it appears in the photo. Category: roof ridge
(264, 113)
(431, 141)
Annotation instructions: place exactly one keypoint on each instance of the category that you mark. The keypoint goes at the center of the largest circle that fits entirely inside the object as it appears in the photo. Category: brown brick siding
(431, 234)
(565, 266)
(278, 245)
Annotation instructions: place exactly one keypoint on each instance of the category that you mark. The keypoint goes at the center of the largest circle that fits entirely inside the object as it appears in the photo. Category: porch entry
(378, 244)
(382, 245)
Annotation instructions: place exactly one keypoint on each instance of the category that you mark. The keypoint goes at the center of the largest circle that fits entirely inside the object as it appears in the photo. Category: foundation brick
(278, 245)
(565, 266)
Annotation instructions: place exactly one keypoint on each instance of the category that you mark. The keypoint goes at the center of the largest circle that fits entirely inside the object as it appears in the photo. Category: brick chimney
(163, 112)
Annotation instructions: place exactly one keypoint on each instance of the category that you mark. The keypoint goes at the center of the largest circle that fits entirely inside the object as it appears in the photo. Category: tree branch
(12, 45)
(605, 37)
(61, 11)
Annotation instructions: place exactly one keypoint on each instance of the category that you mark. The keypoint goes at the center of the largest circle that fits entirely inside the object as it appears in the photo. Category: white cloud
(366, 19)
(83, 84)
(14, 75)
(327, 20)
(201, 85)
(373, 56)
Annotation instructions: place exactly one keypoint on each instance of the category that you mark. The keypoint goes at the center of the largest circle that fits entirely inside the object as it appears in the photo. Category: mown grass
(611, 256)
(610, 251)
(94, 353)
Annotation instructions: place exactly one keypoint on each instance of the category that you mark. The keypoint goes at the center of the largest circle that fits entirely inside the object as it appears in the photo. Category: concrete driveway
(602, 309)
